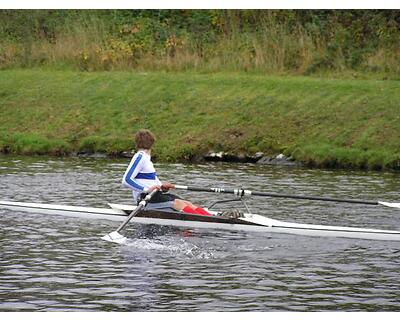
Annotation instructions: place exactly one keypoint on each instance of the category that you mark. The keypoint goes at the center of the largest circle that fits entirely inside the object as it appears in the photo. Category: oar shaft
(242, 192)
(140, 206)
(216, 190)
(278, 195)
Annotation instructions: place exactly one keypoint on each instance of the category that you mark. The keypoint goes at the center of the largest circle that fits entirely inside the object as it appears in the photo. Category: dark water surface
(55, 263)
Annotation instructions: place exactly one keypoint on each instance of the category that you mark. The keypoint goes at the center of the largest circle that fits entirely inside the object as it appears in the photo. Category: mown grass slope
(325, 122)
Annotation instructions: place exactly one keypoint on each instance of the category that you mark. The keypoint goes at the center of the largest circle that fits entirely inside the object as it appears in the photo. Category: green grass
(323, 122)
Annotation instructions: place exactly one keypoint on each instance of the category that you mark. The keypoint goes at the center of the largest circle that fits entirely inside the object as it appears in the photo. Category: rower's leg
(188, 207)
(202, 211)
(180, 204)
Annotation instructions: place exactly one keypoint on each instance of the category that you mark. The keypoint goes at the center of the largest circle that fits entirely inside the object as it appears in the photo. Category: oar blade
(390, 204)
(115, 237)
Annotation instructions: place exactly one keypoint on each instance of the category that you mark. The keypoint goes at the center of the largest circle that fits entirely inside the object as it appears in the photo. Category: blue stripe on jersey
(128, 176)
(148, 176)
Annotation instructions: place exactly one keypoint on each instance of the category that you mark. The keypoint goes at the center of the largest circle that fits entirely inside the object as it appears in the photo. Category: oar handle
(243, 192)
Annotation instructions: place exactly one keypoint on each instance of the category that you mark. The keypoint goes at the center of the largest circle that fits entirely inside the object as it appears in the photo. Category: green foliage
(32, 144)
(273, 41)
(329, 155)
(111, 146)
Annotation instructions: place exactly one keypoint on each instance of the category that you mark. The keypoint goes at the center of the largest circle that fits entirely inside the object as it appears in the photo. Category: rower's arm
(134, 168)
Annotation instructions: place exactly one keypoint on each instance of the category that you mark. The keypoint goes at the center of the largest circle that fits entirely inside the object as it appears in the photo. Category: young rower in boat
(141, 177)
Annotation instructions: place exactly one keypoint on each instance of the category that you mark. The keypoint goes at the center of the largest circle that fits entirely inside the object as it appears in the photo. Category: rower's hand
(155, 187)
(166, 186)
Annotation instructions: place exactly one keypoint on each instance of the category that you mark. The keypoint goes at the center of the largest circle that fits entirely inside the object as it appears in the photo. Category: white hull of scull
(261, 224)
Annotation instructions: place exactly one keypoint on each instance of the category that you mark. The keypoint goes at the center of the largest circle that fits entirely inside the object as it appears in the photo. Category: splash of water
(166, 245)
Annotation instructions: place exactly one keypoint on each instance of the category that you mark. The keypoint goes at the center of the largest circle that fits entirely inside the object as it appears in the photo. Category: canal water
(54, 263)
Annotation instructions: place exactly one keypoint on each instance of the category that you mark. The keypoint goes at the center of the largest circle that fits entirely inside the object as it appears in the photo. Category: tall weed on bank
(265, 41)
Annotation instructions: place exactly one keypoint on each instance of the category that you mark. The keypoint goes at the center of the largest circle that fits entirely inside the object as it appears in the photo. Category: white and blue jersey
(140, 174)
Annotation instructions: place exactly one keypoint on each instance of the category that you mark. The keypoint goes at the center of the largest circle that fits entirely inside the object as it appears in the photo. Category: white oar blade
(390, 204)
(115, 237)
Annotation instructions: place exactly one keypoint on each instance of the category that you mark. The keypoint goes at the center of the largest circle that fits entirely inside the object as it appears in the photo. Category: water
(54, 263)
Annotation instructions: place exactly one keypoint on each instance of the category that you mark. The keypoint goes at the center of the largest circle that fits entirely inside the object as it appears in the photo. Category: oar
(243, 192)
(115, 236)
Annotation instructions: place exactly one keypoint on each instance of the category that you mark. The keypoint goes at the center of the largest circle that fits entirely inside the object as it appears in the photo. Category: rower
(141, 177)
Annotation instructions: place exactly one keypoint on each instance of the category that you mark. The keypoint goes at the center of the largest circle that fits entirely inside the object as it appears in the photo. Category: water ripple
(59, 263)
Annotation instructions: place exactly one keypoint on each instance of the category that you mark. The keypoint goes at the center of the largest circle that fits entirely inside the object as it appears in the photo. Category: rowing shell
(250, 222)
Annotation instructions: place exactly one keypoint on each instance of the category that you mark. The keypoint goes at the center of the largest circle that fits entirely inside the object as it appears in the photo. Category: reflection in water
(60, 263)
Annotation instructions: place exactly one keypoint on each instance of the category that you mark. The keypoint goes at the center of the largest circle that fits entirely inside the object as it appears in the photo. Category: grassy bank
(347, 123)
